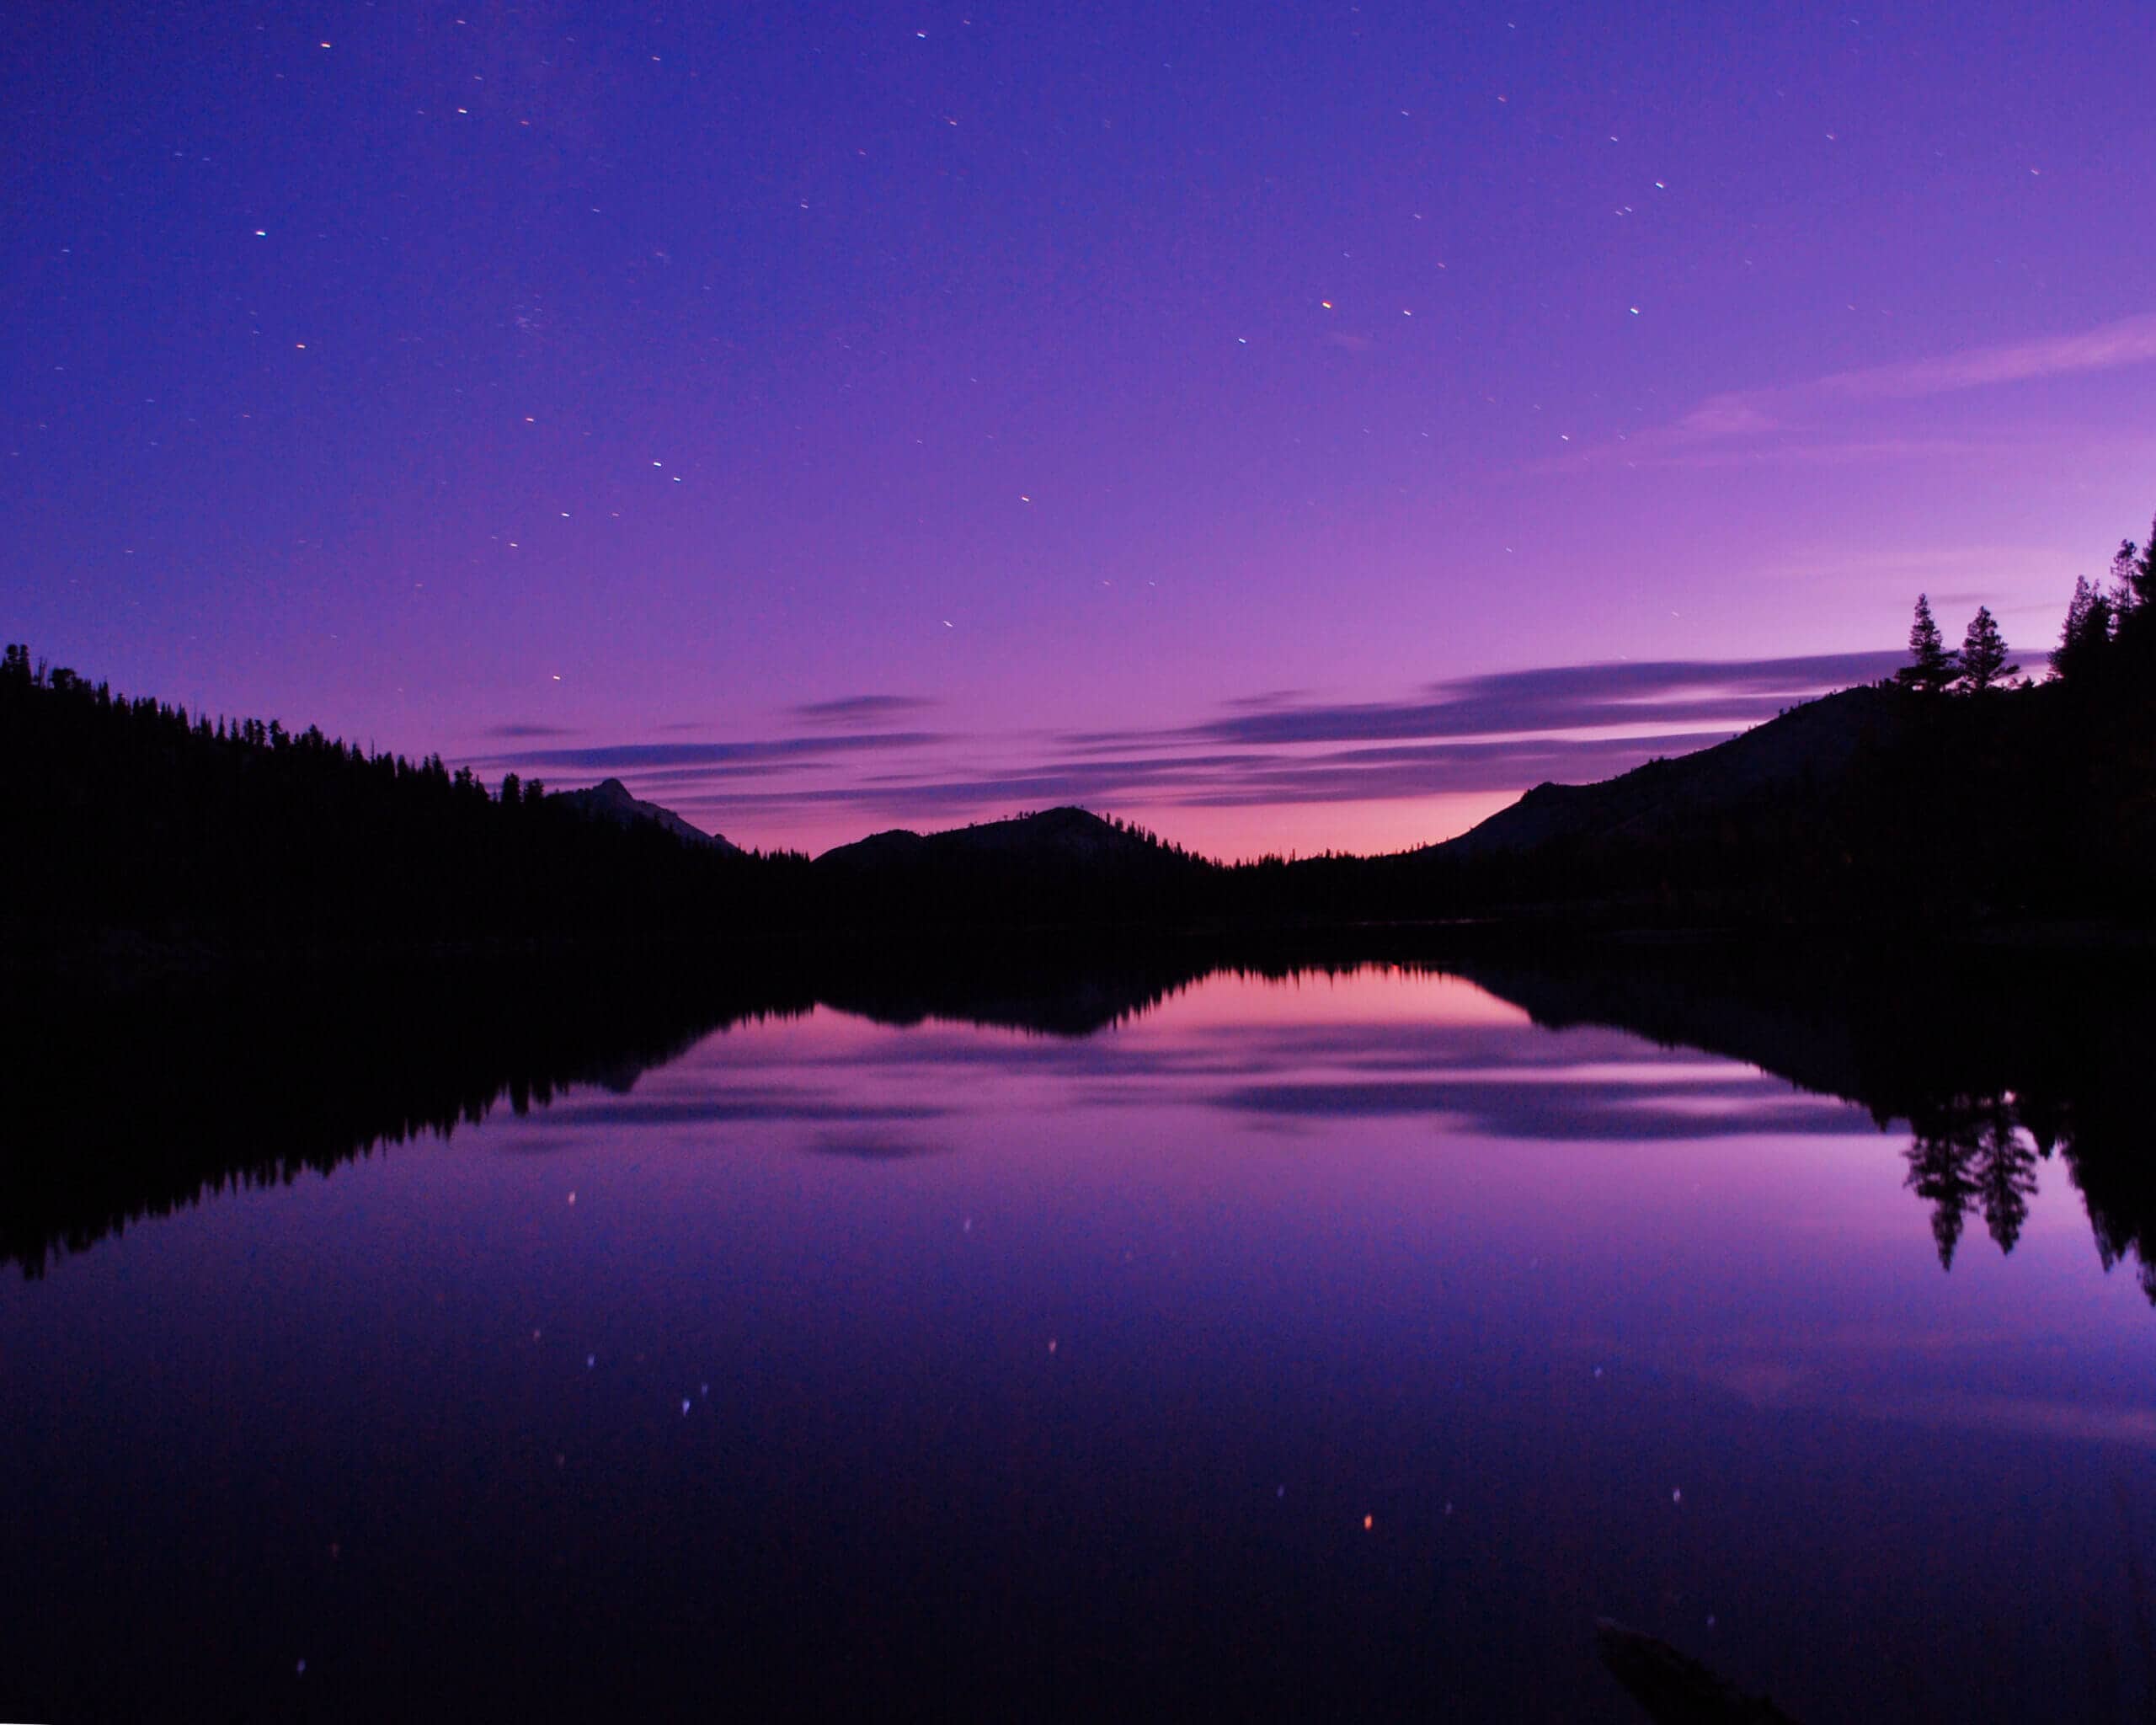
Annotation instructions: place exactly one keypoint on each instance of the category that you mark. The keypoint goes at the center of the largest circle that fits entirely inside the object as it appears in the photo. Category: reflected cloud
(863, 1147)
(1808, 1388)
(770, 1104)
(1566, 1112)
(1644, 1046)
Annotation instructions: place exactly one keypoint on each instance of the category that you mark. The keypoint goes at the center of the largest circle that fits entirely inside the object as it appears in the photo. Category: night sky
(1285, 426)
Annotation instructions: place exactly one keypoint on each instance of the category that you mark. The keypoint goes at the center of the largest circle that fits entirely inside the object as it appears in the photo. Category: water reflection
(134, 1108)
(1990, 1078)
(131, 1113)
(1082, 1333)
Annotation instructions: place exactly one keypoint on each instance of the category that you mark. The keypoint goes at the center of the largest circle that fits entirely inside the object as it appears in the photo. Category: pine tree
(2087, 633)
(2133, 575)
(1931, 667)
(2133, 607)
(2125, 594)
(1983, 655)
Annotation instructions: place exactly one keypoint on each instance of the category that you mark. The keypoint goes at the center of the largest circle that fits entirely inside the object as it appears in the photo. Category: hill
(1794, 754)
(1884, 805)
(1053, 836)
(132, 824)
(1057, 866)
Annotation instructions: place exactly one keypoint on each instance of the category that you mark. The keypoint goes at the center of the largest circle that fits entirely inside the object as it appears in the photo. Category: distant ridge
(1814, 744)
(1067, 836)
(610, 799)
(1946, 799)
(1060, 865)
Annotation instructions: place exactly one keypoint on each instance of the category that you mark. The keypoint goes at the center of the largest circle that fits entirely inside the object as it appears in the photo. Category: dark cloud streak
(630, 756)
(1236, 781)
(518, 729)
(860, 709)
(1700, 692)
(1475, 736)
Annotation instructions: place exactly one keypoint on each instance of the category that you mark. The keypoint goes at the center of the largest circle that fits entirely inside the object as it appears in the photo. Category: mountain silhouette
(1805, 747)
(1058, 866)
(1881, 807)
(1066, 836)
(610, 799)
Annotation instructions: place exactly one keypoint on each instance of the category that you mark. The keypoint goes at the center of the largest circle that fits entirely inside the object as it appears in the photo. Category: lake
(1339, 1341)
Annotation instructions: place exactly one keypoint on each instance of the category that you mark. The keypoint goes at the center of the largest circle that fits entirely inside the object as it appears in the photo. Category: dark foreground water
(1333, 1344)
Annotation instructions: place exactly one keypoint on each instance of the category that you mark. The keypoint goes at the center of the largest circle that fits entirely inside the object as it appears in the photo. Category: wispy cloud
(629, 757)
(1495, 733)
(517, 728)
(1851, 452)
(1696, 692)
(1198, 781)
(860, 709)
(1782, 423)
(2130, 341)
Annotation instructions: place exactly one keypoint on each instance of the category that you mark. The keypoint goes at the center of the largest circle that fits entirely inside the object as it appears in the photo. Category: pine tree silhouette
(1931, 667)
(1983, 655)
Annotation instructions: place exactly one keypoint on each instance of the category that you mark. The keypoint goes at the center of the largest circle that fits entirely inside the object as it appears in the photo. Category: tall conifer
(1983, 653)
(1931, 667)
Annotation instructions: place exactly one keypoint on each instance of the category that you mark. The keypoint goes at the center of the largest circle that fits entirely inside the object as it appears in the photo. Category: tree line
(1993, 1083)
(2110, 629)
(1972, 792)
(239, 834)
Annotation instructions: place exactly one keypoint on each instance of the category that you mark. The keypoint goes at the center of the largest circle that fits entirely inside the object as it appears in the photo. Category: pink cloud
(2130, 341)
(1745, 417)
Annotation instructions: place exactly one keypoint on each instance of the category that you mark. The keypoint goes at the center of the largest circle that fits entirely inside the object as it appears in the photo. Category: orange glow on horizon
(1370, 828)
(1230, 835)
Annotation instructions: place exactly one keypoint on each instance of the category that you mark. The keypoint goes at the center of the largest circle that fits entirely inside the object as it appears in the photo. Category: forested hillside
(130, 813)
(1959, 791)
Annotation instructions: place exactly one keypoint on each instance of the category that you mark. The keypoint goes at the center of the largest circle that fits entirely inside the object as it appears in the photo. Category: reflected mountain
(127, 1110)
(131, 1107)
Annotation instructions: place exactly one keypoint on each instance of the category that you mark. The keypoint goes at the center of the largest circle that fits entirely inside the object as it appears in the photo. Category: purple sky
(1286, 426)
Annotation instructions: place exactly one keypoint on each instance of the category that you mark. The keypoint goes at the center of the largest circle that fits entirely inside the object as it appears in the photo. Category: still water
(1335, 1344)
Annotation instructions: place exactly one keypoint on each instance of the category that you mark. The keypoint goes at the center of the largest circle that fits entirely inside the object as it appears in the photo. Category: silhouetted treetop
(1983, 655)
(1931, 667)
(2086, 633)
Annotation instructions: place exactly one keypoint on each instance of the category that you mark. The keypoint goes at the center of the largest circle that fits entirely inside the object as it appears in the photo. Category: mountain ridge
(1067, 833)
(610, 799)
(1813, 740)
(1886, 804)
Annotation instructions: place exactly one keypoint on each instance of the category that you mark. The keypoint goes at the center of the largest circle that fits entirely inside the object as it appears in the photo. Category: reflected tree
(1942, 1162)
(2006, 1176)
(1970, 1155)
(1990, 1079)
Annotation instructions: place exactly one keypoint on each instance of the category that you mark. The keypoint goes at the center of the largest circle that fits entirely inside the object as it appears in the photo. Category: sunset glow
(887, 407)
